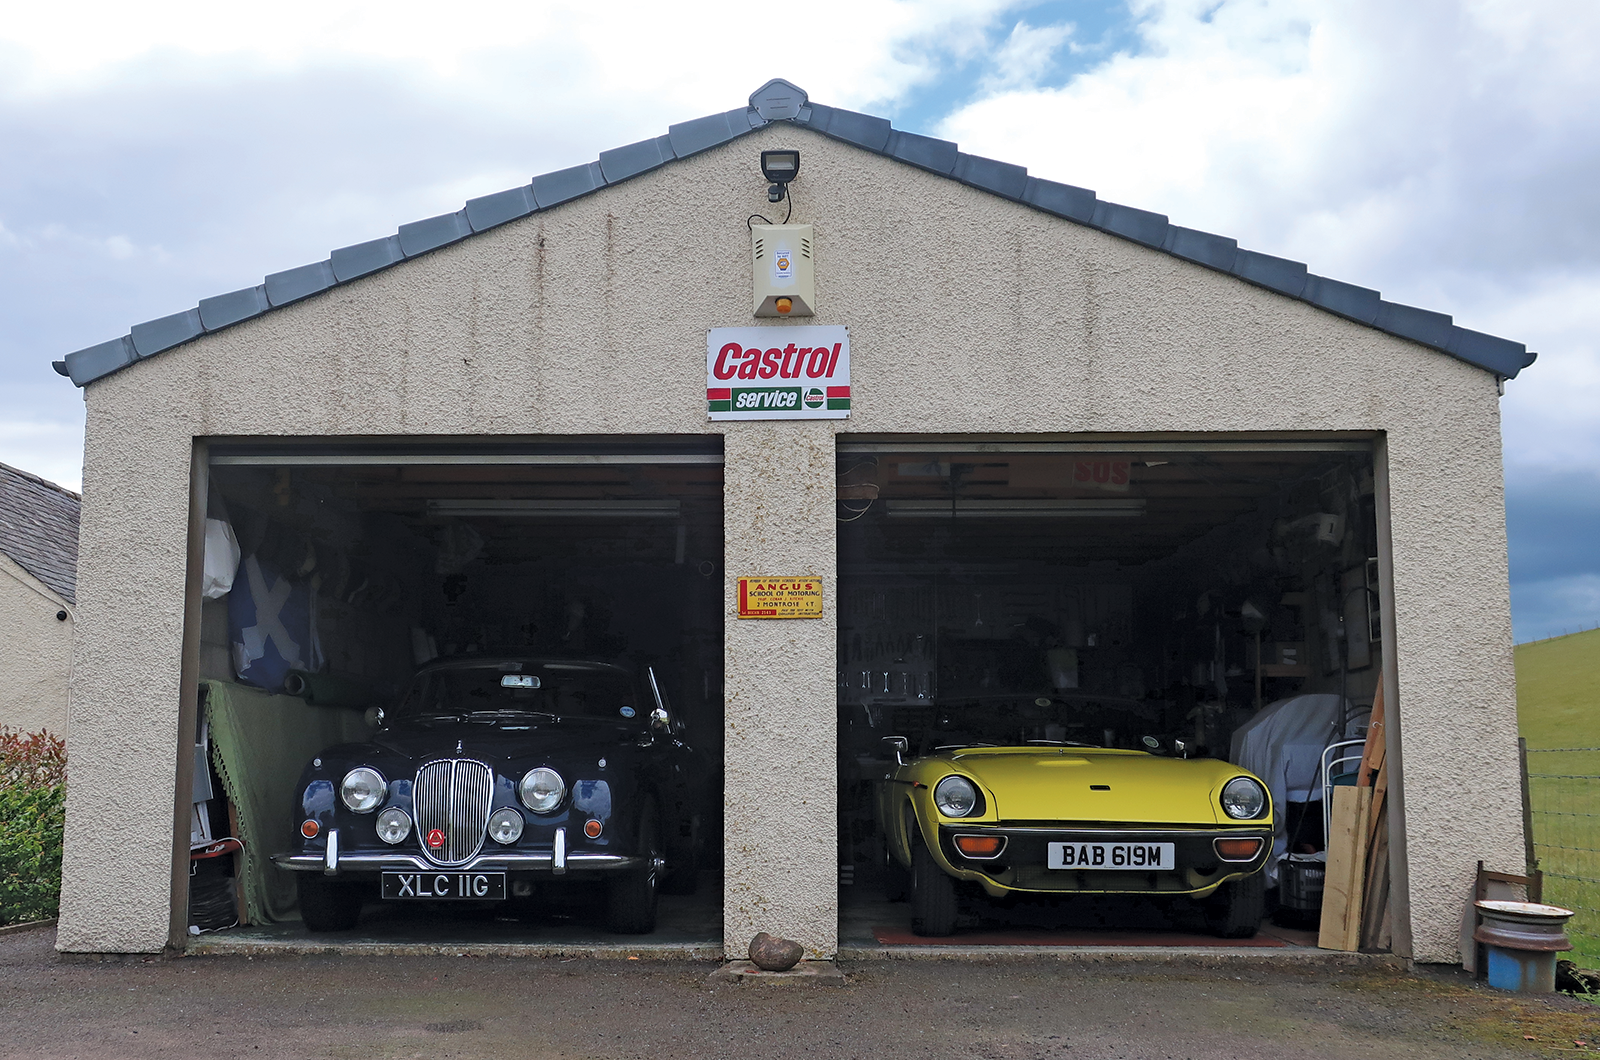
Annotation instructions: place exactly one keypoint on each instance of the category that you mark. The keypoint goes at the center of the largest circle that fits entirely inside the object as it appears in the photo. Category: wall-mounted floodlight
(779, 167)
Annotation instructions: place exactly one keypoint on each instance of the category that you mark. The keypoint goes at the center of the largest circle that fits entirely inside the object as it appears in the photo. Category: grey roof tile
(779, 100)
(552, 189)
(224, 309)
(1063, 200)
(692, 137)
(291, 285)
(1279, 274)
(1214, 251)
(39, 529)
(620, 163)
(431, 233)
(1409, 322)
(363, 258)
(487, 211)
(1501, 356)
(1001, 178)
(163, 333)
(90, 363)
(924, 152)
(863, 130)
(1141, 226)
(1346, 299)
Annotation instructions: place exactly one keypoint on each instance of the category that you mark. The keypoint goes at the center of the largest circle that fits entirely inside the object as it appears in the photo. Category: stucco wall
(967, 314)
(35, 652)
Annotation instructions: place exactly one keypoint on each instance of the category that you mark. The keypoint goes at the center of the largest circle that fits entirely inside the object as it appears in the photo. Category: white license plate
(450, 886)
(1147, 857)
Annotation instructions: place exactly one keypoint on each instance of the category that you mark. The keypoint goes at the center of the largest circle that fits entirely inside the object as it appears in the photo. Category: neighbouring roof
(39, 529)
(777, 101)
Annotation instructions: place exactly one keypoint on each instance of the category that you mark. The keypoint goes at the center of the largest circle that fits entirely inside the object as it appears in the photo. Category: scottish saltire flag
(272, 625)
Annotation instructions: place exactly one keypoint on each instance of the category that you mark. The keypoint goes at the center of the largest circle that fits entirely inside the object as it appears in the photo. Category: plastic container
(1523, 939)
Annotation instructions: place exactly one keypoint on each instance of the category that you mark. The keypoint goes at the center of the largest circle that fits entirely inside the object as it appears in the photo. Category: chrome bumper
(511, 861)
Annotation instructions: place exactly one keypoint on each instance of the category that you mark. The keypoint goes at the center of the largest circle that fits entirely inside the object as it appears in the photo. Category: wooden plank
(1375, 893)
(1341, 893)
(1375, 751)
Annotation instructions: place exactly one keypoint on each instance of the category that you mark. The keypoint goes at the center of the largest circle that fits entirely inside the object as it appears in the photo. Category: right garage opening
(1067, 671)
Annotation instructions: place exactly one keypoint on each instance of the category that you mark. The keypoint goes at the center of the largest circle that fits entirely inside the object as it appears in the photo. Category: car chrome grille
(453, 796)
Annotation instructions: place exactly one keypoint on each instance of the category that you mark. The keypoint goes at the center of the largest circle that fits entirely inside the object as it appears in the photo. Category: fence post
(1527, 808)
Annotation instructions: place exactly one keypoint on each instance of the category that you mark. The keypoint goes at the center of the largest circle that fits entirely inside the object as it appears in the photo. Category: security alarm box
(783, 269)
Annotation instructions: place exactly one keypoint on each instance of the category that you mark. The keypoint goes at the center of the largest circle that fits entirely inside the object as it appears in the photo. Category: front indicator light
(309, 829)
(956, 796)
(980, 846)
(592, 828)
(393, 826)
(1238, 849)
(505, 827)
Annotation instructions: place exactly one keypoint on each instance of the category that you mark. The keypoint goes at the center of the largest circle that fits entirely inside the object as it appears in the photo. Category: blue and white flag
(272, 624)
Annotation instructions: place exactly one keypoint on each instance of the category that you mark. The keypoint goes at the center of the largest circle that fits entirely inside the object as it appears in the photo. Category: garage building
(1072, 442)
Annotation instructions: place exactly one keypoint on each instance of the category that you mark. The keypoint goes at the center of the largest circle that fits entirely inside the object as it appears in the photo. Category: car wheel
(1235, 911)
(631, 896)
(933, 896)
(682, 864)
(896, 880)
(327, 905)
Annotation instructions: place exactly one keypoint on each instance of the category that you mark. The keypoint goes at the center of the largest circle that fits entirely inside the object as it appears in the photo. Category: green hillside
(1558, 691)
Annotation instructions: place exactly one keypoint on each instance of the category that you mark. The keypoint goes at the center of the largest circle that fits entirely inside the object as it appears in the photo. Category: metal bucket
(1300, 881)
(1523, 939)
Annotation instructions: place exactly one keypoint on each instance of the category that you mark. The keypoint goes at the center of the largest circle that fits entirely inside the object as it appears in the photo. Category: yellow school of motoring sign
(797, 597)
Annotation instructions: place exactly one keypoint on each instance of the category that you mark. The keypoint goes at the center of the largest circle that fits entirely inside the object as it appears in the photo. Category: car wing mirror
(900, 745)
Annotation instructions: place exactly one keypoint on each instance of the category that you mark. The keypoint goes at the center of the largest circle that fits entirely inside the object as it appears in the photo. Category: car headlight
(363, 789)
(956, 797)
(393, 825)
(541, 789)
(505, 826)
(1243, 798)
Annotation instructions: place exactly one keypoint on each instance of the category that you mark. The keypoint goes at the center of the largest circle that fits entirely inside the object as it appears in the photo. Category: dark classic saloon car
(495, 775)
(1000, 808)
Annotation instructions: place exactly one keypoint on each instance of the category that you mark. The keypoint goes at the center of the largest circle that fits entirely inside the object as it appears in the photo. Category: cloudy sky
(1442, 151)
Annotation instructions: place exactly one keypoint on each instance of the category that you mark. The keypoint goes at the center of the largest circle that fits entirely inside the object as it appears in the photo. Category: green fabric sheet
(259, 744)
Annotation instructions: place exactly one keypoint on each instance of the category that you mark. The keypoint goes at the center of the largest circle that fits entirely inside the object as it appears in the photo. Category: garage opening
(1097, 641)
(462, 693)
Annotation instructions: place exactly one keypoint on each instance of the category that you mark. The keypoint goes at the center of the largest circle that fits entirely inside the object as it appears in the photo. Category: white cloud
(1441, 151)
(50, 449)
(1025, 57)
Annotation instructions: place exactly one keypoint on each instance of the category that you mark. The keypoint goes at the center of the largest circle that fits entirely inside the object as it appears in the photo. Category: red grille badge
(436, 839)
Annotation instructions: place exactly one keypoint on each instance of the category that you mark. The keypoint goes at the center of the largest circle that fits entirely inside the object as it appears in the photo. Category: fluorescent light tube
(1016, 509)
(570, 509)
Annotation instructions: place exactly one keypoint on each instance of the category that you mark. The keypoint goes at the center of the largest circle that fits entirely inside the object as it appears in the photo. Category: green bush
(33, 794)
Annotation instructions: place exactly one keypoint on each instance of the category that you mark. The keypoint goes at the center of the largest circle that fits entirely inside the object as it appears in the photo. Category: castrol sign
(787, 373)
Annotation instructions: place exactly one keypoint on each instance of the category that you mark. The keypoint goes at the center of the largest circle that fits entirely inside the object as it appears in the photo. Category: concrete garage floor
(871, 927)
(564, 922)
(570, 923)
(336, 1006)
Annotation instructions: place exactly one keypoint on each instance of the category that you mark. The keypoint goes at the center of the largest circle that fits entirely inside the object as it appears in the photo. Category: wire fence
(1564, 810)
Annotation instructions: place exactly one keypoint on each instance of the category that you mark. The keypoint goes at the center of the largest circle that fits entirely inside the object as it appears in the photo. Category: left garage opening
(458, 693)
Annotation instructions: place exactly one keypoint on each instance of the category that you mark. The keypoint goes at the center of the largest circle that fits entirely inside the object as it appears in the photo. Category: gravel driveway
(480, 1008)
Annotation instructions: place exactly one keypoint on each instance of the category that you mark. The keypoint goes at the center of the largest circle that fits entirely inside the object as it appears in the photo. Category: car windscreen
(562, 690)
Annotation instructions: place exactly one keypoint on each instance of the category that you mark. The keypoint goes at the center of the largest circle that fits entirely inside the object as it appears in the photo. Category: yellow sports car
(1055, 817)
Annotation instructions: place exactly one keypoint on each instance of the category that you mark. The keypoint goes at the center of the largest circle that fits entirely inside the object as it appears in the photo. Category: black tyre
(683, 862)
(896, 877)
(328, 905)
(933, 896)
(631, 896)
(1235, 911)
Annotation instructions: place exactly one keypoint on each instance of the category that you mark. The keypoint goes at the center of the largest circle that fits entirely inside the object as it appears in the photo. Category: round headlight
(956, 797)
(505, 826)
(393, 825)
(1243, 798)
(541, 789)
(363, 789)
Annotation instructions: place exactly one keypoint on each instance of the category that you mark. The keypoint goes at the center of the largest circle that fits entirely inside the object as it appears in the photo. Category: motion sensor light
(779, 167)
